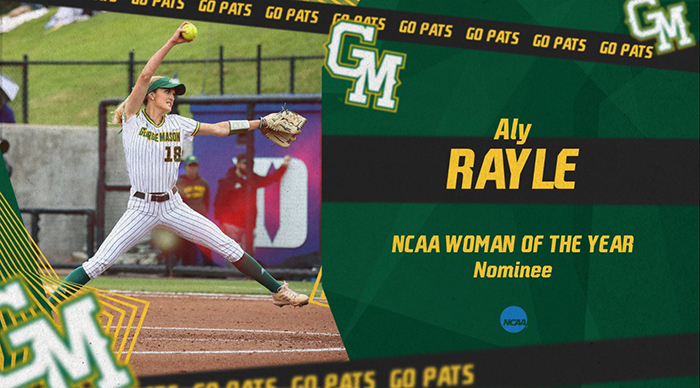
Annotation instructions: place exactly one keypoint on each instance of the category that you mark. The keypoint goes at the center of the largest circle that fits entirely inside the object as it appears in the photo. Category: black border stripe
(415, 169)
(686, 60)
(536, 366)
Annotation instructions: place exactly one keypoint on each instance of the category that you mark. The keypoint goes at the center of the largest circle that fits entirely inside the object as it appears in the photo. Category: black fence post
(221, 70)
(25, 90)
(101, 173)
(291, 75)
(250, 215)
(259, 67)
(35, 227)
(36, 213)
(131, 72)
(90, 233)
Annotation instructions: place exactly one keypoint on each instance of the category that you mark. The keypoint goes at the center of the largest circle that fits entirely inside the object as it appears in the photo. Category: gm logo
(513, 319)
(667, 25)
(77, 353)
(370, 73)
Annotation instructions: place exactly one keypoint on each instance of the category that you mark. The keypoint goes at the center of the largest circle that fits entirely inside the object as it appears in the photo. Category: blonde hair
(119, 112)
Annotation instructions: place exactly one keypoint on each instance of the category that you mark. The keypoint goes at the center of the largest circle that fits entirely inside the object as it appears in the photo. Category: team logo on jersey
(647, 20)
(159, 137)
(79, 353)
(370, 72)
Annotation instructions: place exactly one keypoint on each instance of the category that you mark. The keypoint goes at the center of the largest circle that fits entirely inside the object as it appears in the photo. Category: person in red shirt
(232, 201)
(8, 92)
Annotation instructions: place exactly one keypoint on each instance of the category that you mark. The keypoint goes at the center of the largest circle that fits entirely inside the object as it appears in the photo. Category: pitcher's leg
(214, 239)
(195, 227)
(129, 230)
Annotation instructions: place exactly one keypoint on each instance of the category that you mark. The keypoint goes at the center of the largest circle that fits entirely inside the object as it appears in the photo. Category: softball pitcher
(153, 141)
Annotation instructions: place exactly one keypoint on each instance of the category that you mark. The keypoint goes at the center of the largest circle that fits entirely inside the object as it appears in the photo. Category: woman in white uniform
(153, 141)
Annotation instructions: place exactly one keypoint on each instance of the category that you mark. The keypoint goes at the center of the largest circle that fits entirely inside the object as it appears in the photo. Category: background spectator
(195, 192)
(19, 14)
(233, 197)
(8, 91)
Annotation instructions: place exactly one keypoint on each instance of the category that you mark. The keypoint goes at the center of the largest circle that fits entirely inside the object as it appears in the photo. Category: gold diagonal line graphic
(134, 310)
(33, 250)
(126, 334)
(315, 288)
(16, 267)
(21, 256)
(137, 332)
(109, 318)
(122, 314)
(124, 340)
(19, 230)
(8, 215)
(28, 277)
(119, 322)
(18, 227)
(108, 296)
(10, 243)
(104, 298)
(2, 320)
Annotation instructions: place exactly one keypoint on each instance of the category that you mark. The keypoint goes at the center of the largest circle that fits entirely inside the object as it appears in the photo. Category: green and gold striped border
(20, 257)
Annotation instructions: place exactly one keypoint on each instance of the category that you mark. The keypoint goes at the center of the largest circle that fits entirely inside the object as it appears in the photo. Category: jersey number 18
(173, 154)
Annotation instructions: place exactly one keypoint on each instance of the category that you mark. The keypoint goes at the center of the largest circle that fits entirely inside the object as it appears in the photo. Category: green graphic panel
(6, 188)
(454, 92)
(414, 303)
(397, 303)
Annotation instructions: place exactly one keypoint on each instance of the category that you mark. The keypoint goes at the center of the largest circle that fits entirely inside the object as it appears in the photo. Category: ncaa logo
(513, 319)
(370, 72)
(647, 19)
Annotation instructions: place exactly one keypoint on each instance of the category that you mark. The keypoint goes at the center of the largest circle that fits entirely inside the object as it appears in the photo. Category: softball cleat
(284, 296)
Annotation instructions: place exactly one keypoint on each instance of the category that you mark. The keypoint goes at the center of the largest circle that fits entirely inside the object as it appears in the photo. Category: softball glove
(282, 127)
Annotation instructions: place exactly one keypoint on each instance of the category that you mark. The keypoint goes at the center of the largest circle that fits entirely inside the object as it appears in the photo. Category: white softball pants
(142, 216)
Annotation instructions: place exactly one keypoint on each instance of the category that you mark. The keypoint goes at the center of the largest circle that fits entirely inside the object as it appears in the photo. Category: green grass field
(70, 94)
(219, 286)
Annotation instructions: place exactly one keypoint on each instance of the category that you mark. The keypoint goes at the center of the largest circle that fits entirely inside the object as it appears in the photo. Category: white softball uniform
(153, 153)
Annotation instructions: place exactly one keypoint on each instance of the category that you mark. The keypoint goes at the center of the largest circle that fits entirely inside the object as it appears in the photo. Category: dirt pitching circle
(189, 332)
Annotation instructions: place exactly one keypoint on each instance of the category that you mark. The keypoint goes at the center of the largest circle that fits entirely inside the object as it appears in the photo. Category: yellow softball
(190, 31)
